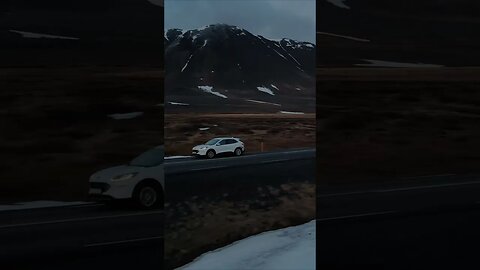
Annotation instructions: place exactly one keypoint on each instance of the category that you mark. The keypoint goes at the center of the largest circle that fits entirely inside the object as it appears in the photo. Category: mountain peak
(238, 64)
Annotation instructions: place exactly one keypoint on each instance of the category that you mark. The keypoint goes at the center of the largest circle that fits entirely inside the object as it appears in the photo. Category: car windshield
(150, 158)
(212, 141)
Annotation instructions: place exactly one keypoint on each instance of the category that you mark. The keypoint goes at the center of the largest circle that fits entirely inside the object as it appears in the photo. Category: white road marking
(430, 186)
(122, 241)
(39, 205)
(275, 160)
(343, 194)
(246, 156)
(77, 219)
(87, 205)
(399, 189)
(209, 168)
(427, 176)
(355, 216)
(343, 36)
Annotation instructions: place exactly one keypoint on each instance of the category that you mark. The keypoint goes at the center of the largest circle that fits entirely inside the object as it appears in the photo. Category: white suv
(141, 180)
(219, 146)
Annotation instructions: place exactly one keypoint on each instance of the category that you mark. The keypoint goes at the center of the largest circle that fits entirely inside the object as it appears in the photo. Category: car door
(231, 145)
(221, 146)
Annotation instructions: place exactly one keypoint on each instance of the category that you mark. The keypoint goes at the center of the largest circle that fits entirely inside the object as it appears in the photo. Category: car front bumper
(102, 190)
(199, 152)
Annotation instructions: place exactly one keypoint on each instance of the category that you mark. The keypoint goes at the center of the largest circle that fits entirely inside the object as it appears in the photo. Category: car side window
(222, 142)
(231, 141)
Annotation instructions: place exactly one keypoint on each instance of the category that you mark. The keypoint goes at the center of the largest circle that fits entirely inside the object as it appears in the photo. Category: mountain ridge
(228, 58)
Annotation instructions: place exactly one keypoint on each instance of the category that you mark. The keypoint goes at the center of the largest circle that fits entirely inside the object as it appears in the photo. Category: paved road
(192, 164)
(433, 218)
(77, 237)
(434, 221)
(236, 176)
(57, 237)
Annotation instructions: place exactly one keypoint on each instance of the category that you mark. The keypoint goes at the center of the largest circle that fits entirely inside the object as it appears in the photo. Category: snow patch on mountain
(39, 35)
(178, 103)
(265, 90)
(208, 89)
(286, 112)
(274, 86)
(263, 102)
(188, 61)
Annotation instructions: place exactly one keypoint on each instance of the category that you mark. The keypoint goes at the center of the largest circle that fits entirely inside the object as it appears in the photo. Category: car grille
(195, 151)
(102, 186)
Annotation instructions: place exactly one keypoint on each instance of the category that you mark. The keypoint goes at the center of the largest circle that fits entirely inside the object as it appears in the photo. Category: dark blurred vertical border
(67, 68)
(398, 104)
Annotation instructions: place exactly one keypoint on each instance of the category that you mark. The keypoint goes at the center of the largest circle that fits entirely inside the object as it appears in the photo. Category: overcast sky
(273, 19)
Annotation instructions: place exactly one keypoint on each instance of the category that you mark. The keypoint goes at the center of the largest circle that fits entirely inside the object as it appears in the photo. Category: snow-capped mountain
(235, 63)
(440, 32)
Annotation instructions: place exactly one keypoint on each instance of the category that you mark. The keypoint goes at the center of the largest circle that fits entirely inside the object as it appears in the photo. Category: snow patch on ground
(122, 116)
(37, 204)
(208, 89)
(204, 128)
(263, 102)
(344, 36)
(292, 248)
(285, 112)
(339, 3)
(178, 103)
(38, 35)
(298, 89)
(274, 86)
(381, 63)
(265, 90)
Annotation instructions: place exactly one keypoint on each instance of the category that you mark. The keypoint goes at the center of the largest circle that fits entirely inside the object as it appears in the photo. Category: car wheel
(148, 196)
(238, 152)
(210, 154)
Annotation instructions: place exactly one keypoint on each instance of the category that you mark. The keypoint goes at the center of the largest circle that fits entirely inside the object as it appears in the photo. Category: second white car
(218, 146)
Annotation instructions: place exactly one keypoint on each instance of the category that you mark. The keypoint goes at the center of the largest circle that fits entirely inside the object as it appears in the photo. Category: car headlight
(124, 177)
(203, 148)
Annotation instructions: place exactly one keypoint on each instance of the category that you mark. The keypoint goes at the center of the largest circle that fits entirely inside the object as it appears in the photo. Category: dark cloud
(271, 18)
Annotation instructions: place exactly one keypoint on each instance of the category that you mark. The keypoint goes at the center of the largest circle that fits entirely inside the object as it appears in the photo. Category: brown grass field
(277, 131)
(55, 129)
(201, 225)
(381, 125)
